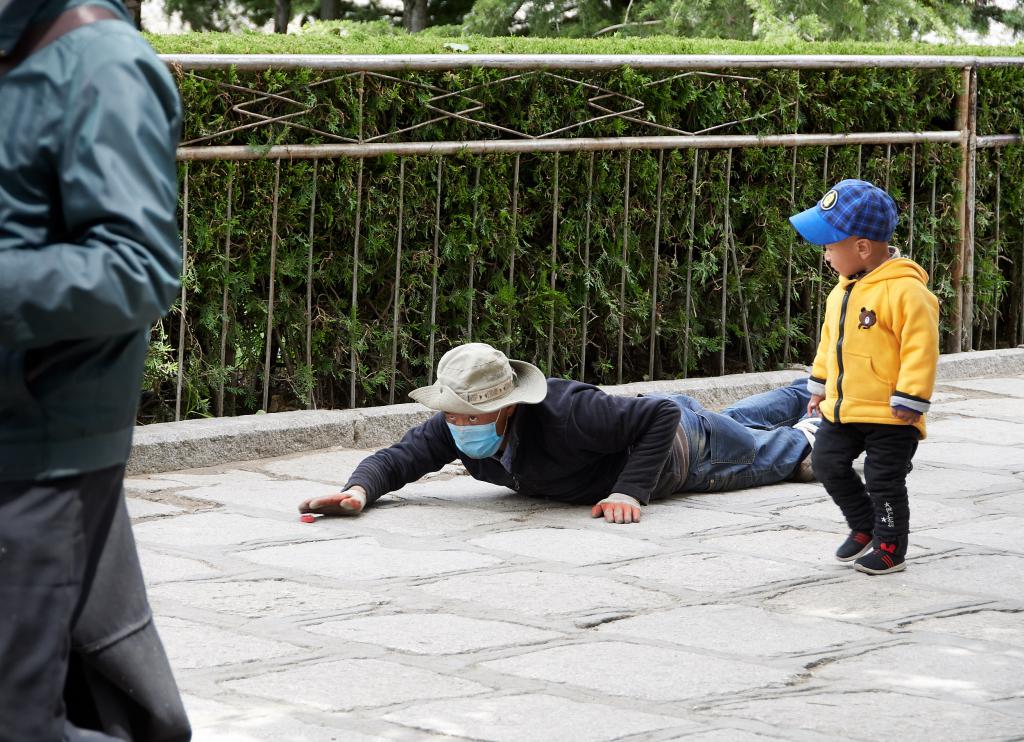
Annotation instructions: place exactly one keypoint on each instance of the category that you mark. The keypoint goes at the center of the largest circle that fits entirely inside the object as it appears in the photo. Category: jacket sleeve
(916, 324)
(424, 449)
(642, 427)
(115, 172)
(819, 369)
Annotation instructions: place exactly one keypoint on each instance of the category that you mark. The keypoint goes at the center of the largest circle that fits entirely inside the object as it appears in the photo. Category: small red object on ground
(308, 518)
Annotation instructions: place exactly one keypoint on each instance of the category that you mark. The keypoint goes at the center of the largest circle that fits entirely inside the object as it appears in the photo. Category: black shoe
(881, 561)
(856, 544)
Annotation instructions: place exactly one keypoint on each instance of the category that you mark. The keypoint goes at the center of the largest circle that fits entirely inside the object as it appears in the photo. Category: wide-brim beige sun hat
(476, 378)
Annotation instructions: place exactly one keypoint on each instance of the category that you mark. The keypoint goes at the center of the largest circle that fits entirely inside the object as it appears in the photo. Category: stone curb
(192, 444)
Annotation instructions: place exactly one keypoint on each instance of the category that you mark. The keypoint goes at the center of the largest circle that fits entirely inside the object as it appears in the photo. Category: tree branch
(623, 25)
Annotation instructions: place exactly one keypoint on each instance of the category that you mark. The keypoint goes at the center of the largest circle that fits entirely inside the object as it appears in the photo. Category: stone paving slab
(532, 716)
(254, 599)
(741, 630)
(877, 714)
(534, 593)
(222, 529)
(262, 494)
(976, 430)
(954, 672)
(432, 633)
(971, 572)
(343, 685)
(998, 627)
(138, 508)
(159, 567)
(456, 610)
(999, 532)
(989, 457)
(865, 602)
(1010, 409)
(713, 572)
(653, 673)
(1003, 387)
(193, 645)
(363, 558)
(568, 545)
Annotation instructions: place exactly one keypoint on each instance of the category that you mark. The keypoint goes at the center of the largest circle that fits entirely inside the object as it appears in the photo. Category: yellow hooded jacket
(879, 346)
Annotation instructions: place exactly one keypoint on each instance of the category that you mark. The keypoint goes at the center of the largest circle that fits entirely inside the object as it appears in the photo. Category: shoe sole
(858, 555)
(868, 571)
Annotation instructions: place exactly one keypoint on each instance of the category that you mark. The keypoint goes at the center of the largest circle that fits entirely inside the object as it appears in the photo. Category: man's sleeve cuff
(899, 399)
(816, 386)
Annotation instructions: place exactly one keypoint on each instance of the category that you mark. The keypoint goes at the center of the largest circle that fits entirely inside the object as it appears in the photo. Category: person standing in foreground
(874, 370)
(571, 442)
(89, 259)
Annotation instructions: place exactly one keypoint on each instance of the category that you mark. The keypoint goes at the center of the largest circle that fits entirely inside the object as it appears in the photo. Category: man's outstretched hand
(617, 508)
(349, 502)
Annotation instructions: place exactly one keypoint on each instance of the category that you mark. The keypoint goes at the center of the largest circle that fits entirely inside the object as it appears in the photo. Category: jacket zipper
(839, 350)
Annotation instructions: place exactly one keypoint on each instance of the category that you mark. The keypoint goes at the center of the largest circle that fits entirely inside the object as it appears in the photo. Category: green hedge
(380, 38)
(477, 239)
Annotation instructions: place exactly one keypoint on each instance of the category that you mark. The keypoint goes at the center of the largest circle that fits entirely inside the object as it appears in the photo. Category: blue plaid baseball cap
(850, 208)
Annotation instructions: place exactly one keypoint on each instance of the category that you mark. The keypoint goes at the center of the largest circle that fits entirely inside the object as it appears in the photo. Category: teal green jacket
(89, 251)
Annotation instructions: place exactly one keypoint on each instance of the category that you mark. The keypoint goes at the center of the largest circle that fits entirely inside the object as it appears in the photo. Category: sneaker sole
(868, 571)
(858, 555)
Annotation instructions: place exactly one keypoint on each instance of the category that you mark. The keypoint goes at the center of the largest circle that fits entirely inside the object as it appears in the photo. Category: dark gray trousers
(78, 649)
(879, 504)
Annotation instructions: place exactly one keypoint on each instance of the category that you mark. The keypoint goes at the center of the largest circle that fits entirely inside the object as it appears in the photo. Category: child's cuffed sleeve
(916, 324)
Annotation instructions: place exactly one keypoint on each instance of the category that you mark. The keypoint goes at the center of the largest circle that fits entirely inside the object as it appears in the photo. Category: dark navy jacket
(89, 248)
(577, 446)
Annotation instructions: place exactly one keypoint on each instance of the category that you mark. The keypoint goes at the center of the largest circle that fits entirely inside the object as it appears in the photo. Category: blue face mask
(476, 441)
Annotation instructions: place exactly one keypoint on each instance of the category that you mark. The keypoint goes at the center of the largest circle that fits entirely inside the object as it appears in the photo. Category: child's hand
(812, 406)
(907, 416)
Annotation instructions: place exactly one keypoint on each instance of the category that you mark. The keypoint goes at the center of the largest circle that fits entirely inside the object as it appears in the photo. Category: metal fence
(509, 141)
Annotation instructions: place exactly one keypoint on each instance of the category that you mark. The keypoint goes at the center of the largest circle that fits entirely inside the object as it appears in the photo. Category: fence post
(310, 403)
(398, 280)
(433, 276)
(224, 300)
(554, 269)
(963, 268)
(625, 259)
(181, 320)
(654, 269)
(788, 301)
(586, 271)
(270, 297)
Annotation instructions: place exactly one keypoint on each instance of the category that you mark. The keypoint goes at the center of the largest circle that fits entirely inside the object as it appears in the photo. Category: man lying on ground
(571, 442)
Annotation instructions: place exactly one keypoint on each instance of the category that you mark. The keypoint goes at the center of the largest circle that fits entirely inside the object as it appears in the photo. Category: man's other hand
(349, 502)
(617, 508)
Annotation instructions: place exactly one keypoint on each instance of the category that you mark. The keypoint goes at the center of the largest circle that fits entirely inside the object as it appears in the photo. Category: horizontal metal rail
(581, 144)
(998, 140)
(398, 62)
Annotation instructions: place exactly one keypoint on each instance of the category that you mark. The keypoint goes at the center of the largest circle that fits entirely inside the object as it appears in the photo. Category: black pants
(881, 508)
(78, 649)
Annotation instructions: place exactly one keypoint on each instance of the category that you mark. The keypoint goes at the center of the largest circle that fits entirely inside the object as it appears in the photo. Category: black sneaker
(881, 561)
(856, 544)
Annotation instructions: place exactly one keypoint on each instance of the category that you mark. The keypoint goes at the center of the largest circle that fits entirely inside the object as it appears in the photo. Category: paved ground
(456, 610)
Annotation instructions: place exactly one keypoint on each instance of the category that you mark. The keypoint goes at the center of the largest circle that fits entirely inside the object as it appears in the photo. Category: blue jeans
(749, 444)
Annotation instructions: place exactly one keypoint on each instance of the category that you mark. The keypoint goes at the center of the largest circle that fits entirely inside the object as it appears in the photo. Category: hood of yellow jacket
(892, 268)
